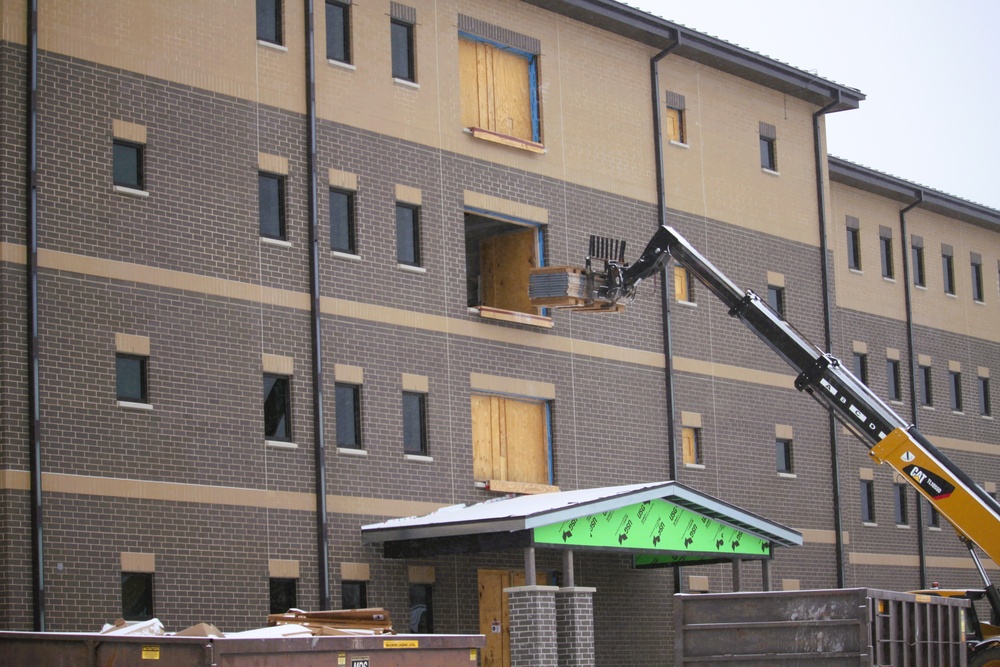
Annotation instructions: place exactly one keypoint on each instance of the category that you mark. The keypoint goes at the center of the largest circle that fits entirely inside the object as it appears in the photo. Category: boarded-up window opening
(499, 256)
(499, 88)
(511, 439)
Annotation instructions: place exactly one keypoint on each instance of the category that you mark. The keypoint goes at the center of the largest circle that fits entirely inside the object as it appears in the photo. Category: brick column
(575, 626)
(532, 626)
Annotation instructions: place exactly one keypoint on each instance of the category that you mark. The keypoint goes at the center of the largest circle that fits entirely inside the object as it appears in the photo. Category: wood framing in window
(499, 257)
(510, 439)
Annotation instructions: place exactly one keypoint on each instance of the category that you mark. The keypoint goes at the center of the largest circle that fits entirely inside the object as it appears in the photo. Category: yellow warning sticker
(472, 654)
(401, 643)
(150, 652)
(342, 658)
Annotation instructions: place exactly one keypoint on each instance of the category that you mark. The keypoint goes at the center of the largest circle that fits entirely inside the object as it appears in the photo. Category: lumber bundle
(370, 621)
(564, 287)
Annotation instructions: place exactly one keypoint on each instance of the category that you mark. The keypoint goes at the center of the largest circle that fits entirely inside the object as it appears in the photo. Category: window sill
(788, 475)
(888, 279)
(133, 405)
(869, 524)
(506, 140)
(350, 451)
(936, 529)
(923, 287)
(857, 271)
(926, 407)
(512, 316)
(409, 268)
(272, 45)
(276, 242)
(527, 488)
(688, 304)
(346, 255)
(990, 417)
(412, 85)
(951, 295)
(132, 192)
(979, 302)
(896, 401)
(679, 144)
(280, 444)
(423, 458)
(770, 172)
(341, 64)
(958, 412)
(903, 526)
(695, 466)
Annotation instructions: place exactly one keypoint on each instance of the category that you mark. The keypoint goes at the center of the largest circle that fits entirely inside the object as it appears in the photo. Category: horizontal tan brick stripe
(211, 495)
(906, 560)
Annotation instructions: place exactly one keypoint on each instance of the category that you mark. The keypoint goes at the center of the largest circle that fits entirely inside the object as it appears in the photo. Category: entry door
(494, 618)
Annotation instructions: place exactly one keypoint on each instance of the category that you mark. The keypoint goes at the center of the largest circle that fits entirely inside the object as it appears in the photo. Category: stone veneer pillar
(575, 626)
(532, 611)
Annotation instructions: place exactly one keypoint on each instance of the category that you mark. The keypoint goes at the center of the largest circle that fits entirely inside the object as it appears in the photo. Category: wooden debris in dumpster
(371, 621)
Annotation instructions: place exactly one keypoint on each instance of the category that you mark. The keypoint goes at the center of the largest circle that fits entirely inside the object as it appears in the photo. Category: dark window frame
(266, 25)
(901, 504)
(143, 379)
(416, 431)
(424, 622)
(948, 274)
(136, 181)
(894, 379)
(411, 228)
(769, 153)
(352, 413)
(854, 248)
(341, 51)
(265, 225)
(280, 598)
(985, 409)
(272, 419)
(403, 47)
(885, 250)
(924, 387)
(355, 590)
(919, 270)
(138, 592)
(861, 366)
(977, 282)
(955, 390)
(867, 501)
(784, 458)
(776, 299)
(349, 223)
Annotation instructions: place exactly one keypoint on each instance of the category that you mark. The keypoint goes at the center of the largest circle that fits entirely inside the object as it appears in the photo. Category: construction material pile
(564, 287)
(293, 623)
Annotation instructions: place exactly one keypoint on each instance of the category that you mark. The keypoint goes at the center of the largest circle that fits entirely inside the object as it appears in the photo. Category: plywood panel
(482, 438)
(527, 445)
(468, 72)
(493, 610)
(506, 263)
(512, 89)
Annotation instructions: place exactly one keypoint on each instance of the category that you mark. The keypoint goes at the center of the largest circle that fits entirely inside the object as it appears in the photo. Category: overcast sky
(927, 67)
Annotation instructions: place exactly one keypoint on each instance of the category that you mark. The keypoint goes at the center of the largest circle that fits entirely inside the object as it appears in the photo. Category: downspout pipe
(661, 212)
(34, 421)
(319, 444)
(911, 355)
(820, 158)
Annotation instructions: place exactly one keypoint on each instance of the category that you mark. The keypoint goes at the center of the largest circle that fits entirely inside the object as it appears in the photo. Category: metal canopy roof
(659, 523)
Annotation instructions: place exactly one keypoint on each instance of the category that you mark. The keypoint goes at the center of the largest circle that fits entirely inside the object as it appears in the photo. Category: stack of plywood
(564, 287)
(371, 621)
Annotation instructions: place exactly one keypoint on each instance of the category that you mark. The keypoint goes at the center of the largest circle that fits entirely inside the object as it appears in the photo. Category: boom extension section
(974, 514)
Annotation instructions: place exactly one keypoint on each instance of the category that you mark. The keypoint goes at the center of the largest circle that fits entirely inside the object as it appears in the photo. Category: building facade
(277, 253)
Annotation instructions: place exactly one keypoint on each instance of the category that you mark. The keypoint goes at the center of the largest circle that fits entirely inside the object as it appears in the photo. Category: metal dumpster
(47, 649)
(856, 626)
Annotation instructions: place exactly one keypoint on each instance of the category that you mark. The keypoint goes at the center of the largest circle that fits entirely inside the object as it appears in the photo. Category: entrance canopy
(660, 524)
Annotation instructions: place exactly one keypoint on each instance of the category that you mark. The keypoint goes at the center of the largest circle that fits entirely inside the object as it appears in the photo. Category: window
(271, 205)
(853, 244)
(131, 378)
(137, 596)
(776, 299)
(499, 256)
(683, 285)
(948, 270)
(353, 594)
(783, 455)
(402, 50)
(917, 253)
(867, 501)
(342, 221)
(984, 397)
(899, 503)
(691, 445)
(128, 170)
(955, 390)
(675, 118)
(924, 382)
(768, 147)
(885, 248)
(283, 595)
(338, 31)
(894, 380)
(269, 21)
(408, 234)
(421, 608)
(277, 407)
(933, 517)
(499, 83)
(977, 277)
(348, 403)
(414, 423)
(861, 366)
(511, 439)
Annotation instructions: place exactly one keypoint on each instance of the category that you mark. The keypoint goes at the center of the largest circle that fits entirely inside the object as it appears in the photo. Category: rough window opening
(499, 256)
